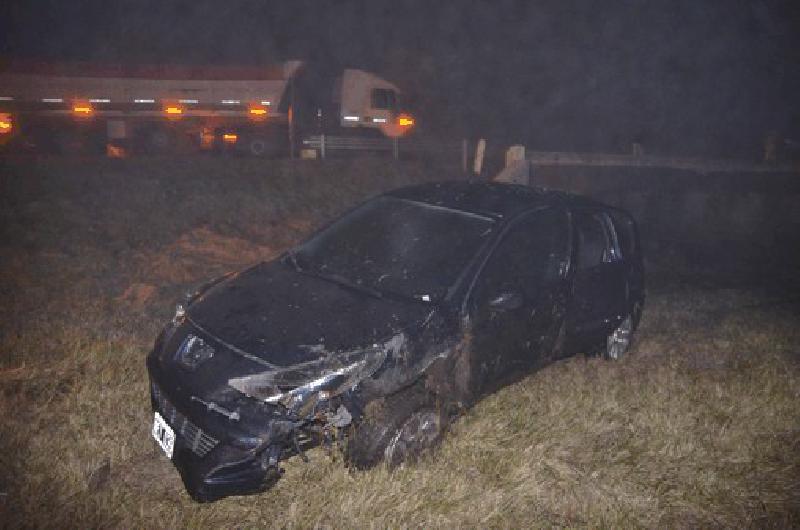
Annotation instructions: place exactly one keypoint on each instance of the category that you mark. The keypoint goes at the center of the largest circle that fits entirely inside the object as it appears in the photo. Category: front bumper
(223, 472)
(212, 468)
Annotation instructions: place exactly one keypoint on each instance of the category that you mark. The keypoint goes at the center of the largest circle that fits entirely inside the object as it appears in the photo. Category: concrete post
(479, 152)
(517, 170)
(515, 153)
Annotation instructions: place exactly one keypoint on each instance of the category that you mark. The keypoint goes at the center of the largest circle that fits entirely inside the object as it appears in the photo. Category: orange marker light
(173, 110)
(405, 120)
(82, 109)
(229, 138)
(5, 124)
(258, 111)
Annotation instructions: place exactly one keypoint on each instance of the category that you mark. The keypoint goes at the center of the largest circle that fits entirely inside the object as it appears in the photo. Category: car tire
(418, 433)
(619, 341)
(160, 141)
(559, 349)
(405, 426)
(69, 142)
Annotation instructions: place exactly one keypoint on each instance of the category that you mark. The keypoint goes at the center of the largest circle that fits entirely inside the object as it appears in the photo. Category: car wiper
(291, 257)
(346, 282)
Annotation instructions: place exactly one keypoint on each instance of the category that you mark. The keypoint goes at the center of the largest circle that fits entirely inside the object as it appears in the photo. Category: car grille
(199, 442)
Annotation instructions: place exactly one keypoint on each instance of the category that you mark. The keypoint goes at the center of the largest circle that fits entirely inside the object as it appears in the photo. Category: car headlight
(325, 377)
(193, 351)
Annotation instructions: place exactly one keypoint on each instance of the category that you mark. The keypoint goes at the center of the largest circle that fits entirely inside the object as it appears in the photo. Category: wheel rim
(620, 340)
(258, 147)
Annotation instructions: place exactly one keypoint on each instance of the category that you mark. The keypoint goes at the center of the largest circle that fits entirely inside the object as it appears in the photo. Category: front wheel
(421, 431)
(401, 428)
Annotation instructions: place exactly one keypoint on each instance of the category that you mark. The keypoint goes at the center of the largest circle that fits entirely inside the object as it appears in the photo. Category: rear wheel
(79, 141)
(68, 142)
(257, 147)
(559, 348)
(619, 341)
(160, 141)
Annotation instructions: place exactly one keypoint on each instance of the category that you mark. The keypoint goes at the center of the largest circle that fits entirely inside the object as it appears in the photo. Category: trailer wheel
(257, 147)
(78, 142)
(68, 142)
(160, 141)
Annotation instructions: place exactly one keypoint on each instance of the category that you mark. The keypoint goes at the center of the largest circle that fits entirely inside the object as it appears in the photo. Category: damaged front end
(299, 387)
(231, 441)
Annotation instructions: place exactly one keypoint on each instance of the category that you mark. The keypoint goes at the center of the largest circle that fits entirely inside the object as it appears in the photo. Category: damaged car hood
(286, 317)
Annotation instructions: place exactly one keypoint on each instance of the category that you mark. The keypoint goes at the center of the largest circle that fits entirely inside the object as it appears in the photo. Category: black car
(373, 334)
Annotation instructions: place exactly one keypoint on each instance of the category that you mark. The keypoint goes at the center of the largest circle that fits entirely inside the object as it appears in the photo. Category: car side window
(595, 240)
(532, 253)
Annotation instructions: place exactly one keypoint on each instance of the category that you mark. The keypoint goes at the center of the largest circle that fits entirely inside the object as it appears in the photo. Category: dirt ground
(699, 426)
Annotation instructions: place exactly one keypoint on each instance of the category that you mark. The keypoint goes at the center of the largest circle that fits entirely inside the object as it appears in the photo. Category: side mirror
(506, 301)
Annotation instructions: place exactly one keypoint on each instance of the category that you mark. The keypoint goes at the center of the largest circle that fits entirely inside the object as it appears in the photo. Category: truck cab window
(336, 93)
(384, 99)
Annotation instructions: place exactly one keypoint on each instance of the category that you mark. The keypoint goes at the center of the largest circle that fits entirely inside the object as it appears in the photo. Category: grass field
(698, 426)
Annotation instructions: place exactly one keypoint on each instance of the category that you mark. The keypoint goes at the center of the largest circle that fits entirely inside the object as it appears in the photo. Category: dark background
(681, 77)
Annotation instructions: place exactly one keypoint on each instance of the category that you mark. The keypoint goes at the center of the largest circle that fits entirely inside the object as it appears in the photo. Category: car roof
(492, 199)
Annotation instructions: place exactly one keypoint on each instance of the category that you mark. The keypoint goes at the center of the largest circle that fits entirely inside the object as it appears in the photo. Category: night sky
(684, 77)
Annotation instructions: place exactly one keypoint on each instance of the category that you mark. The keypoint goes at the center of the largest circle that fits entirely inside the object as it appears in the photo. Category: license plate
(164, 435)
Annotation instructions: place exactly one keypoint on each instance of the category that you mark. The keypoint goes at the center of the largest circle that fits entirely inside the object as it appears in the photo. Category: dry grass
(699, 426)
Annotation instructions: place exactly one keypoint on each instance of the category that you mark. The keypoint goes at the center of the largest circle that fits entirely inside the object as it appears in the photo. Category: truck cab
(347, 102)
(366, 100)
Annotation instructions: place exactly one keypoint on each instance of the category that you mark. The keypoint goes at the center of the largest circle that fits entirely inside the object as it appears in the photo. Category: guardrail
(700, 165)
(325, 144)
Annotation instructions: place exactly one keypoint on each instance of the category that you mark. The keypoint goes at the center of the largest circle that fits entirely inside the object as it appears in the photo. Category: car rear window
(626, 232)
(593, 240)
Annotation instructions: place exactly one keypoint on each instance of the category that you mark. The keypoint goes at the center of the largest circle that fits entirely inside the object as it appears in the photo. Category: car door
(599, 290)
(519, 299)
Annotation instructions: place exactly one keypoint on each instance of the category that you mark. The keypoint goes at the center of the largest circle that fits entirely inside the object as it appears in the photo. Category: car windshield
(392, 245)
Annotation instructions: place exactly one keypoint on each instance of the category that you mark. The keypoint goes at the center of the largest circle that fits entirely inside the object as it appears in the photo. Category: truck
(261, 111)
